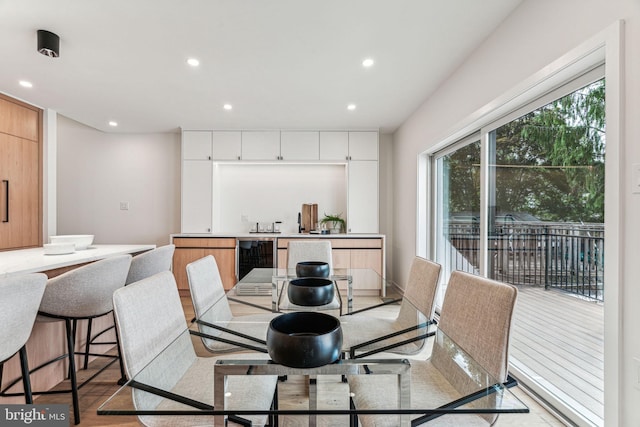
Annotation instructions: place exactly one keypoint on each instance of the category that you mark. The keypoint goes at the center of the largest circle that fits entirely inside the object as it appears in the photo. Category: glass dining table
(326, 398)
(354, 288)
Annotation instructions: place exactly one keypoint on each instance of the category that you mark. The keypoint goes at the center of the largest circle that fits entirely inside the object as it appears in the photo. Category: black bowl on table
(304, 339)
(312, 269)
(311, 291)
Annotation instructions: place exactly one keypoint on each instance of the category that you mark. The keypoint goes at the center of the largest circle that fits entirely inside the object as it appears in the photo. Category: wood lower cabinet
(348, 252)
(189, 249)
(20, 175)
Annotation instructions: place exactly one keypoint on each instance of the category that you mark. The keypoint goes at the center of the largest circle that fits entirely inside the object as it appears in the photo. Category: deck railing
(567, 256)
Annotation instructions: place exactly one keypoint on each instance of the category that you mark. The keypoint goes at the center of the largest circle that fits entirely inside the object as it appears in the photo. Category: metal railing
(566, 256)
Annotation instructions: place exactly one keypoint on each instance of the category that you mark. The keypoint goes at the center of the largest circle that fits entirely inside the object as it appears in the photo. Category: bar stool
(151, 262)
(142, 266)
(21, 296)
(82, 294)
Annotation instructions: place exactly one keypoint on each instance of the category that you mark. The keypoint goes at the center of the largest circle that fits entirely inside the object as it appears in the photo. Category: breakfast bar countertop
(34, 260)
(257, 236)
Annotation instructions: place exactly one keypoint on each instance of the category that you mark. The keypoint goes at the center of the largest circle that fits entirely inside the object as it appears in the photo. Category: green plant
(336, 221)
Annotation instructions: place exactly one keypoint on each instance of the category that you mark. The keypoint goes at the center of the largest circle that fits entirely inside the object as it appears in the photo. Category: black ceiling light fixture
(48, 43)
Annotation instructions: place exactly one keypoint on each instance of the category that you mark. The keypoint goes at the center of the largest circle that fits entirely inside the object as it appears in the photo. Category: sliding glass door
(522, 201)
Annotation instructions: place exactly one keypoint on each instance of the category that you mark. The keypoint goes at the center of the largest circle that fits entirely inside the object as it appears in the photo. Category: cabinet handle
(6, 206)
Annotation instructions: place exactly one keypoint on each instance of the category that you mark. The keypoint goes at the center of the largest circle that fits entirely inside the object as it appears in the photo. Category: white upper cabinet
(196, 206)
(196, 145)
(334, 145)
(260, 145)
(299, 145)
(227, 145)
(361, 145)
(362, 203)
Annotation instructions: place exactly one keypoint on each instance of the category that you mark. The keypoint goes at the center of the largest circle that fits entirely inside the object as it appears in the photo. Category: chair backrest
(422, 285)
(86, 291)
(477, 314)
(21, 296)
(207, 290)
(150, 322)
(312, 250)
(151, 262)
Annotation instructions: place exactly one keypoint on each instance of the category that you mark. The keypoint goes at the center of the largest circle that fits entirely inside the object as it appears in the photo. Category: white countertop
(243, 235)
(34, 260)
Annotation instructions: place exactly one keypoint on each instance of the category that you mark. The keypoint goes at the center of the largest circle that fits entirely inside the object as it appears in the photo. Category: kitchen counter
(243, 235)
(45, 341)
(34, 260)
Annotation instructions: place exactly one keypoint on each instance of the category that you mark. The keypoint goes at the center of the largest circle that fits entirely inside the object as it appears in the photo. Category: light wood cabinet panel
(192, 249)
(18, 120)
(19, 192)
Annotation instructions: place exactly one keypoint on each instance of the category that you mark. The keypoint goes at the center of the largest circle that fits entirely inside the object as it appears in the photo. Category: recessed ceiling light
(193, 62)
(112, 123)
(367, 63)
(227, 106)
(351, 107)
(25, 83)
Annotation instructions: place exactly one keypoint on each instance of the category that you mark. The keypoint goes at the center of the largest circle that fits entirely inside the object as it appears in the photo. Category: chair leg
(72, 370)
(87, 345)
(123, 374)
(26, 382)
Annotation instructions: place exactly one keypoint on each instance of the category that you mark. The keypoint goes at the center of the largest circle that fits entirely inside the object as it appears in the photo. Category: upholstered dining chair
(151, 262)
(21, 296)
(221, 330)
(407, 333)
(158, 353)
(476, 315)
(311, 250)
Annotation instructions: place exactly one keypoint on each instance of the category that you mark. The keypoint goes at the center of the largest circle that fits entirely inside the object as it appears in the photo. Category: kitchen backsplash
(248, 193)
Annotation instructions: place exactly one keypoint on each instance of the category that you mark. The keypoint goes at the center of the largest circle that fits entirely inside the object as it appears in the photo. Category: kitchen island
(348, 251)
(46, 341)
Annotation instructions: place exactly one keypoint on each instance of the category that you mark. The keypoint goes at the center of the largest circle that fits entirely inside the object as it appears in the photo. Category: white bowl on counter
(81, 241)
(59, 248)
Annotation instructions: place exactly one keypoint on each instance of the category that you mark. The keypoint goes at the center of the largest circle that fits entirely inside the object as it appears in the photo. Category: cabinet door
(363, 197)
(226, 145)
(334, 145)
(19, 194)
(226, 260)
(196, 196)
(260, 145)
(196, 145)
(363, 145)
(300, 145)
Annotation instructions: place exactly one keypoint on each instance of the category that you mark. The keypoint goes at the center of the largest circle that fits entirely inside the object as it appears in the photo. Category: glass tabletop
(176, 383)
(354, 289)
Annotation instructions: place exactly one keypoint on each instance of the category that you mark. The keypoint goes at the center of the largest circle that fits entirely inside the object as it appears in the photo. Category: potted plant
(336, 223)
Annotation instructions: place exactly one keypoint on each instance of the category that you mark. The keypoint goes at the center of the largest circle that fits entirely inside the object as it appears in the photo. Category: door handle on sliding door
(6, 206)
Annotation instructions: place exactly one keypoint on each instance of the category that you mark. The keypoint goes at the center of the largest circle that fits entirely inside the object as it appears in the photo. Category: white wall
(536, 34)
(96, 171)
(249, 193)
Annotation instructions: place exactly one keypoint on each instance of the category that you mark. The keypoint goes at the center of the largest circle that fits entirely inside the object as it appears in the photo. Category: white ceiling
(282, 64)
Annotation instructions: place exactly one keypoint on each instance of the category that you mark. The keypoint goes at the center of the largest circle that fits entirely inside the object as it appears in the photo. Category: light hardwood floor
(294, 390)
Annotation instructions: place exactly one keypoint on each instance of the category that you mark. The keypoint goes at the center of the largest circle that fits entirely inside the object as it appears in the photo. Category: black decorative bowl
(312, 269)
(311, 291)
(304, 339)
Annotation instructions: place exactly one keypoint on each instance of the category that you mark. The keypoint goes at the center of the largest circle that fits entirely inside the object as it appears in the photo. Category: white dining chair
(158, 352)
(222, 330)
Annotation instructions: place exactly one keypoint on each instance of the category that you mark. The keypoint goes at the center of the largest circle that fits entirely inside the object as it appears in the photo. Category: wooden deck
(558, 344)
